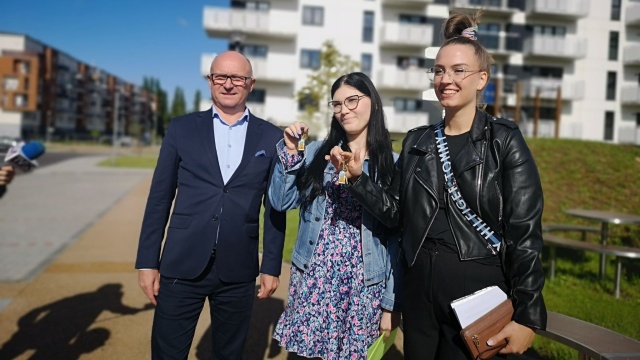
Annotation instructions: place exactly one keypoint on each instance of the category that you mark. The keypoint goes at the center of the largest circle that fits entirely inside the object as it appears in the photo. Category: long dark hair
(310, 180)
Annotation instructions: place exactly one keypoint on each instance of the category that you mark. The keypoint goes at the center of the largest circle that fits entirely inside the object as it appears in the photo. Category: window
(608, 125)
(409, 105)
(613, 45)
(412, 19)
(10, 83)
(251, 50)
(257, 96)
(312, 15)
(367, 28)
(309, 59)
(547, 113)
(615, 9)
(366, 63)
(489, 35)
(411, 62)
(611, 85)
(250, 5)
(551, 30)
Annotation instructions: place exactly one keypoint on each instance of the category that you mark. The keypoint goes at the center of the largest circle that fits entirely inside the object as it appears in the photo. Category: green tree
(162, 116)
(178, 105)
(316, 92)
(196, 101)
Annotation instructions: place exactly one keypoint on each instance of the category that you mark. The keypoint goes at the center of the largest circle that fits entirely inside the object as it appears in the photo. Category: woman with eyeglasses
(342, 292)
(467, 194)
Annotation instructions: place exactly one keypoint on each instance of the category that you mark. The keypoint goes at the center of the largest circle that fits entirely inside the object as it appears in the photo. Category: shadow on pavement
(60, 330)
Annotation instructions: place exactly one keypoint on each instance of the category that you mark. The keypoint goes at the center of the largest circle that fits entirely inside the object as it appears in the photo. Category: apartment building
(566, 68)
(48, 94)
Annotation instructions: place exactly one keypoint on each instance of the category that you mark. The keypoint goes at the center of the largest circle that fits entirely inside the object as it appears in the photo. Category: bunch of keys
(342, 176)
(301, 142)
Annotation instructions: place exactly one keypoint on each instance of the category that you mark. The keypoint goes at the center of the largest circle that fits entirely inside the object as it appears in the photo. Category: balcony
(401, 122)
(225, 23)
(274, 69)
(632, 14)
(630, 95)
(555, 47)
(490, 7)
(571, 90)
(407, 2)
(394, 78)
(561, 9)
(631, 55)
(401, 35)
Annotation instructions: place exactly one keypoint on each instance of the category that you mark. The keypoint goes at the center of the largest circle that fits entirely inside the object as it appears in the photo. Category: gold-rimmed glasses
(456, 74)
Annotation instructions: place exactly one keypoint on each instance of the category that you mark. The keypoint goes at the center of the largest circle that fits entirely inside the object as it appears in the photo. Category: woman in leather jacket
(342, 292)
(447, 257)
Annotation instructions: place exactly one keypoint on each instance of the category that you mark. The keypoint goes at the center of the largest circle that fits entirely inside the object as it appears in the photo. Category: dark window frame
(609, 124)
(368, 26)
(309, 59)
(611, 85)
(312, 15)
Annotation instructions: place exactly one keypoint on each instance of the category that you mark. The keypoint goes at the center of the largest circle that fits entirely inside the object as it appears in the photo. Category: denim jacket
(381, 257)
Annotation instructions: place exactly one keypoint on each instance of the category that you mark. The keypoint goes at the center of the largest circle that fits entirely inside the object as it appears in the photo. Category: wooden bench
(619, 252)
(591, 341)
(582, 229)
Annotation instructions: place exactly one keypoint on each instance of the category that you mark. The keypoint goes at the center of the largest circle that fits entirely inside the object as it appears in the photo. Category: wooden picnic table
(605, 218)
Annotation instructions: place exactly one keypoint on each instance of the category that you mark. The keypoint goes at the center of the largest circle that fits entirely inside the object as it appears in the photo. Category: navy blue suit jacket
(208, 213)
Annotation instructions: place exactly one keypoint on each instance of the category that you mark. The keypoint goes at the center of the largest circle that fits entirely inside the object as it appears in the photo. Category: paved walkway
(68, 290)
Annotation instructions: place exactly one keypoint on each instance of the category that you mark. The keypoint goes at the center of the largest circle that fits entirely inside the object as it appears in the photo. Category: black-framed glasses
(221, 79)
(455, 74)
(351, 102)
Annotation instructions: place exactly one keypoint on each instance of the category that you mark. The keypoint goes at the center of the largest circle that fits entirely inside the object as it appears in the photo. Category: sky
(129, 39)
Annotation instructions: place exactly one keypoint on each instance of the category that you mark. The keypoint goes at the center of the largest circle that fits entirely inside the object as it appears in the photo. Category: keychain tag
(301, 142)
(342, 176)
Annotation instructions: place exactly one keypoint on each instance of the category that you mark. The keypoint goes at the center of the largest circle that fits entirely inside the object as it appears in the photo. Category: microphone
(22, 156)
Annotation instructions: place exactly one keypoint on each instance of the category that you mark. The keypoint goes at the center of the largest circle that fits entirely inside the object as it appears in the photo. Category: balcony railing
(279, 69)
(402, 35)
(407, 2)
(489, 6)
(564, 8)
(631, 55)
(394, 78)
(570, 90)
(632, 14)
(630, 95)
(220, 22)
(401, 122)
(555, 46)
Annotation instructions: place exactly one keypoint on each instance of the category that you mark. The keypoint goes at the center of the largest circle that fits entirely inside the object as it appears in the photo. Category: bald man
(214, 166)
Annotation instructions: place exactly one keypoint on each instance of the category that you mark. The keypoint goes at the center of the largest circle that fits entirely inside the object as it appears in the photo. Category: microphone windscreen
(32, 149)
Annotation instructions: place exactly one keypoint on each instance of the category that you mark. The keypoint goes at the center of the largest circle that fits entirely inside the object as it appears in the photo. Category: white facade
(539, 46)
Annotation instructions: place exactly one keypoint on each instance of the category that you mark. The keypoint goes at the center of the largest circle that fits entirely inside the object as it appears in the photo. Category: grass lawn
(574, 174)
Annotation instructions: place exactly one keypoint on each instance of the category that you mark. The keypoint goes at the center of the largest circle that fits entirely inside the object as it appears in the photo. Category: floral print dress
(330, 313)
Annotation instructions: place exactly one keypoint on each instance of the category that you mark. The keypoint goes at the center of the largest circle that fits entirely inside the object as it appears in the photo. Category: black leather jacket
(498, 179)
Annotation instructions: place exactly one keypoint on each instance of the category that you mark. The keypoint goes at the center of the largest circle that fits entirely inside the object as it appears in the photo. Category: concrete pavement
(68, 289)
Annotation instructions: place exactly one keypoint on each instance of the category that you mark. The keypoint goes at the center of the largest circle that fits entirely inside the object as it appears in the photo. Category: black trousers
(180, 303)
(430, 327)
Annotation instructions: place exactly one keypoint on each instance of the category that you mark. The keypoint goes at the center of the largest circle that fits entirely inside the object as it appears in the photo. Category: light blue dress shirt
(229, 142)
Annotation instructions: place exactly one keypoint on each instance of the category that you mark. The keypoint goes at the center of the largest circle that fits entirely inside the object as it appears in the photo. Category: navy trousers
(180, 303)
